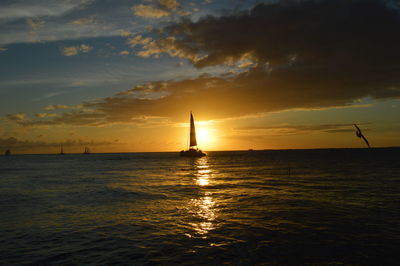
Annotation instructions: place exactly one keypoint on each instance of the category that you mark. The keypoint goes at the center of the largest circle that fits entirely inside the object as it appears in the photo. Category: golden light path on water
(203, 208)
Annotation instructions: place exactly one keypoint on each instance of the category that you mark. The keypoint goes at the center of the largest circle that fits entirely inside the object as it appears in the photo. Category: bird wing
(366, 141)
(358, 129)
(360, 135)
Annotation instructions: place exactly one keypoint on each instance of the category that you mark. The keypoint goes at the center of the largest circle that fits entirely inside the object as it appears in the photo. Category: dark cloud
(317, 32)
(345, 48)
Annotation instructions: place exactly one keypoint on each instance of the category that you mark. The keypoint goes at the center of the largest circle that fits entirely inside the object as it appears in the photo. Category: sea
(268, 207)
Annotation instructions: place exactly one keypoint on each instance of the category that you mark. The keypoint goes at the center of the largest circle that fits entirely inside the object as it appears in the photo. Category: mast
(193, 141)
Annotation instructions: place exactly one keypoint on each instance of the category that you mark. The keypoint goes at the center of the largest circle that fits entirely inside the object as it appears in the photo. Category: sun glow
(202, 135)
(204, 138)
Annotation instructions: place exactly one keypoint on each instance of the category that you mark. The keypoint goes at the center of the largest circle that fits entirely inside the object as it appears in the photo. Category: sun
(203, 136)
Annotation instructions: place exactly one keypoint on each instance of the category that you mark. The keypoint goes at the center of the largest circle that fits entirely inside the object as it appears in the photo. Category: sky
(124, 75)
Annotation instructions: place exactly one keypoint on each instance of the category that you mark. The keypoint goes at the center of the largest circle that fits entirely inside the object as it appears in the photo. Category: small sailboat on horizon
(193, 150)
(62, 150)
(7, 152)
(86, 151)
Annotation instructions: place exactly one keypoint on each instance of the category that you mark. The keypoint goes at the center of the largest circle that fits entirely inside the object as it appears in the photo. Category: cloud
(74, 50)
(297, 54)
(85, 48)
(49, 95)
(316, 33)
(18, 145)
(149, 11)
(124, 33)
(169, 4)
(299, 129)
(55, 20)
(34, 25)
(44, 115)
(16, 117)
(83, 4)
(70, 51)
(95, 118)
(64, 20)
(52, 107)
(77, 118)
(323, 52)
(212, 97)
(160, 8)
(85, 21)
(16, 10)
(138, 39)
(168, 45)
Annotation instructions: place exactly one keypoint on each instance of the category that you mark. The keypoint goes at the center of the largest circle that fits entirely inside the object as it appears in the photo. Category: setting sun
(203, 136)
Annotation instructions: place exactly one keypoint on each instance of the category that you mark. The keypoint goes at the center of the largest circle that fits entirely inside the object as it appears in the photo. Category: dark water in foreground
(334, 207)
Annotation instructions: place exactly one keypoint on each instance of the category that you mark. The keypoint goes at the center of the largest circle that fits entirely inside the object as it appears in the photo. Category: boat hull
(192, 153)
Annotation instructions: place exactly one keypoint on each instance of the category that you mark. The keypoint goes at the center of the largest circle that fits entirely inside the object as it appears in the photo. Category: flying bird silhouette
(361, 136)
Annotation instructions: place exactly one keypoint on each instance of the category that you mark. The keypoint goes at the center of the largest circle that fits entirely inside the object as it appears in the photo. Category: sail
(193, 141)
(192, 152)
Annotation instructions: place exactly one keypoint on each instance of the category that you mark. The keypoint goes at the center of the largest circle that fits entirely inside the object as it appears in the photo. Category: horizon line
(250, 149)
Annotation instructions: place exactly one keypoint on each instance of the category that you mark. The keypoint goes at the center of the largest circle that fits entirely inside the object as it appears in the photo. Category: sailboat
(62, 150)
(87, 151)
(193, 151)
(7, 152)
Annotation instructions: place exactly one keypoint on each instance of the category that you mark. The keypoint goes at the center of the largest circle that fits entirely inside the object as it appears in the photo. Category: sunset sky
(123, 75)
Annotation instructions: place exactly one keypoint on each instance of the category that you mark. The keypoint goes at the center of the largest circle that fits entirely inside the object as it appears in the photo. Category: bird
(360, 135)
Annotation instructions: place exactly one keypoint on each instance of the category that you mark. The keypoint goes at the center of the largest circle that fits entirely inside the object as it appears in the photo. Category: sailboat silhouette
(62, 150)
(193, 151)
(87, 150)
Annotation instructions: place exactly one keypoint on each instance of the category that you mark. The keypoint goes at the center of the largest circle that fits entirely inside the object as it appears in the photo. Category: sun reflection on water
(202, 174)
(203, 207)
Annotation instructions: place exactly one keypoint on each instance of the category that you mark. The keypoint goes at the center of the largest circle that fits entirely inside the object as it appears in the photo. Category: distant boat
(193, 151)
(87, 151)
(62, 151)
(7, 152)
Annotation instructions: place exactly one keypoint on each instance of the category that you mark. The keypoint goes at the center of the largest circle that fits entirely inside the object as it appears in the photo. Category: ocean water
(294, 207)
